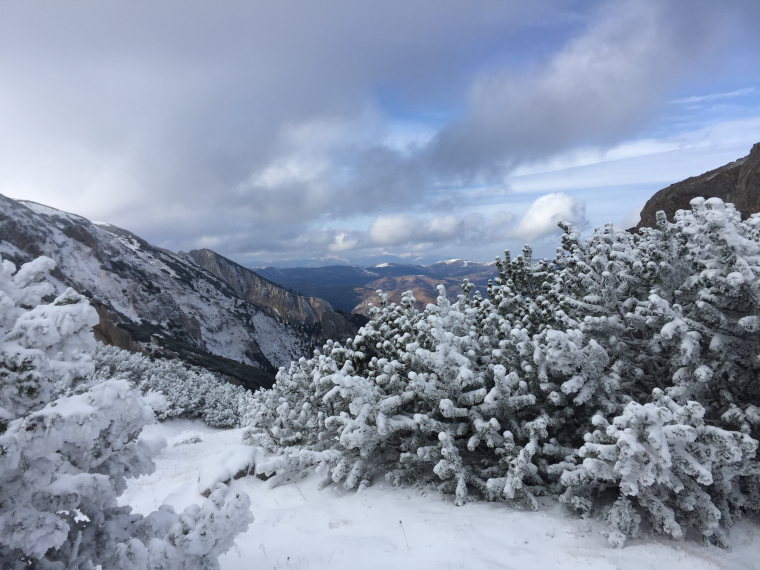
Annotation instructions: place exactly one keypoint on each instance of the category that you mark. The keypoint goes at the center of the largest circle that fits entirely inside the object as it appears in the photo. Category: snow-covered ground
(301, 527)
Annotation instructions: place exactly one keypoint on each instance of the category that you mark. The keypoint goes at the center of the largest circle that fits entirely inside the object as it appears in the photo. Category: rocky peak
(737, 182)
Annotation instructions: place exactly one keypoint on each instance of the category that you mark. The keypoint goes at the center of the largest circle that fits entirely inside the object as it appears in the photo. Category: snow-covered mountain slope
(300, 527)
(150, 298)
(310, 313)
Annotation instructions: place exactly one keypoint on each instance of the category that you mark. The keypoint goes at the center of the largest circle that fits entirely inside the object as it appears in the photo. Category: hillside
(311, 314)
(153, 300)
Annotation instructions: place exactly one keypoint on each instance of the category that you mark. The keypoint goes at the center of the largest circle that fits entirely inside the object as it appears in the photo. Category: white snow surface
(299, 526)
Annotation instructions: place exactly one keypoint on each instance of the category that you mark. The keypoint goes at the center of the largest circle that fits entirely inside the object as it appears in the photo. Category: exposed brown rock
(737, 182)
(422, 287)
(746, 196)
(109, 332)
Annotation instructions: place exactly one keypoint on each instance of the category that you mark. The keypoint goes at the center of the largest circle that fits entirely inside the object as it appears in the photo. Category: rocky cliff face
(310, 314)
(154, 300)
(737, 182)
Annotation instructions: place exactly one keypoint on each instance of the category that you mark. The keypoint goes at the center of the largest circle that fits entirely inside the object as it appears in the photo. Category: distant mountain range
(352, 288)
(200, 306)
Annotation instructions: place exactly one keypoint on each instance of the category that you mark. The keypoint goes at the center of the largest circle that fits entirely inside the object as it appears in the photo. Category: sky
(313, 133)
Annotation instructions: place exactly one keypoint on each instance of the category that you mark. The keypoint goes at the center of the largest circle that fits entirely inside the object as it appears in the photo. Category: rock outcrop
(737, 182)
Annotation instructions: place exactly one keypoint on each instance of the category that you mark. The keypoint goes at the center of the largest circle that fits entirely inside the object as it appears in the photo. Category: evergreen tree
(188, 392)
(554, 381)
(68, 446)
(662, 458)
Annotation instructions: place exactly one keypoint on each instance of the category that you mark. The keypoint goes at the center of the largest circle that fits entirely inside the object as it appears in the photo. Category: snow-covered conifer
(496, 395)
(45, 347)
(707, 324)
(67, 447)
(661, 457)
(189, 393)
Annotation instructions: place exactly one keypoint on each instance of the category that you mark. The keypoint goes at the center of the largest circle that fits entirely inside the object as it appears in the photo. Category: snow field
(301, 526)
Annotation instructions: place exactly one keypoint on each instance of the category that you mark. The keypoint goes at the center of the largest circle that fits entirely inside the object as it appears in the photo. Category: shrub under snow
(622, 374)
(67, 447)
(189, 393)
(662, 458)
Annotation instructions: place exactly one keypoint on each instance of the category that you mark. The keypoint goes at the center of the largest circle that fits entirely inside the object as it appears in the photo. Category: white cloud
(648, 162)
(290, 170)
(716, 96)
(545, 212)
(444, 226)
(208, 242)
(393, 230)
(419, 231)
(343, 242)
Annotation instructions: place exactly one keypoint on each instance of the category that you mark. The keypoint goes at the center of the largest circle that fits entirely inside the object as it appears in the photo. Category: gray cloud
(256, 126)
(596, 90)
(184, 100)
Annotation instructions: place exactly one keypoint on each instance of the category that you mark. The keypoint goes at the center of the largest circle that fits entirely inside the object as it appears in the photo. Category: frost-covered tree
(708, 325)
(498, 395)
(408, 398)
(45, 346)
(67, 448)
(188, 392)
(662, 458)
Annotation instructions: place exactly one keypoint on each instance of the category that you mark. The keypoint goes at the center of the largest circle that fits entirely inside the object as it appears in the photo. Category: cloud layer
(289, 131)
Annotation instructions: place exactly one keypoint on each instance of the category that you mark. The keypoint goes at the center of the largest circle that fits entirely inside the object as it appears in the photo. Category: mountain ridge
(310, 312)
(156, 301)
(352, 288)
